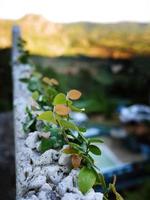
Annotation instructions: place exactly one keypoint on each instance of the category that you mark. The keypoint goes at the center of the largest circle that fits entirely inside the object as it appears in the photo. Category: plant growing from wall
(50, 114)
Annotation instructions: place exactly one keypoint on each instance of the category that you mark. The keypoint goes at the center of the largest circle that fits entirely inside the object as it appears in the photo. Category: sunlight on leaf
(74, 94)
(51, 81)
(35, 95)
(95, 140)
(69, 150)
(59, 99)
(86, 179)
(54, 81)
(47, 116)
(62, 110)
(76, 109)
(46, 80)
(68, 125)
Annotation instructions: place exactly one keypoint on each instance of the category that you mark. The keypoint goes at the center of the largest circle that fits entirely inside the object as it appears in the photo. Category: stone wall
(46, 176)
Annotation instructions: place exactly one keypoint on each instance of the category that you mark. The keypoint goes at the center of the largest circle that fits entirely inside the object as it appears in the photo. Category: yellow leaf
(74, 94)
(62, 109)
(51, 81)
(47, 80)
(54, 81)
(69, 150)
(76, 160)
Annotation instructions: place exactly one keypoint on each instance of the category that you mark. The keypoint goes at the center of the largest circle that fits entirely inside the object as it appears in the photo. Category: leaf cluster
(50, 113)
(24, 54)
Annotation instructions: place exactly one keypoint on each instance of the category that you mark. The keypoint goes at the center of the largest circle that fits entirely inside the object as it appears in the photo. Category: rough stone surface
(90, 196)
(32, 139)
(44, 176)
(68, 184)
(49, 157)
(64, 159)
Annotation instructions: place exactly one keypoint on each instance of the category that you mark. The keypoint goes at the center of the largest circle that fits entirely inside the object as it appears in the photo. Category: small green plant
(30, 122)
(50, 114)
(24, 54)
(78, 146)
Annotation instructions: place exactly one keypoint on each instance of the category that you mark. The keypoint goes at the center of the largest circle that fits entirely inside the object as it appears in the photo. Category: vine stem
(63, 131)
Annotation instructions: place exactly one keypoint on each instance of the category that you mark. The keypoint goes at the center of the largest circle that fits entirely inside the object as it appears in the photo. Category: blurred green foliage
(103, 89)
(141, 192)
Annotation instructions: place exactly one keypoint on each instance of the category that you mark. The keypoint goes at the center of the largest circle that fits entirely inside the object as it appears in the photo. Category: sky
(65, 11)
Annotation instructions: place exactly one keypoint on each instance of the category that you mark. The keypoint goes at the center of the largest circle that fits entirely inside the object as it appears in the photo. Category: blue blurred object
(136, 113)
(93, 132)
(78, 117)
(145, 150)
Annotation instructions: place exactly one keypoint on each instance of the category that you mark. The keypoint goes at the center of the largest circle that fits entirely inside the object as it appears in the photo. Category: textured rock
(49, 157)
(33, 197)
(64, 159)
(45, 134)
(38, 144)
(46, 187)
(89, 196)
(49, 195)
(72, 196)
(93, 195)
(37, 182)
(54, 173)
(44, 176)
(32, 139)
(68, 184)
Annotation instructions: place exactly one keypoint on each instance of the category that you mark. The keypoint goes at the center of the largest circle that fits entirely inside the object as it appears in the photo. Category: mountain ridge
(123, 39)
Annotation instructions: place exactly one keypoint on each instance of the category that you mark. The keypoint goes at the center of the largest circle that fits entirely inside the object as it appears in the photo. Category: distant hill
(121, 40)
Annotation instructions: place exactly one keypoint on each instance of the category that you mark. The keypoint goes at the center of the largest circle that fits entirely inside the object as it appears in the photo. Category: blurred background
(101, 48)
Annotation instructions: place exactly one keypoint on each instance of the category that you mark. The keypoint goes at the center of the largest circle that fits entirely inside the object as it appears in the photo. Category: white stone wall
(46, 176)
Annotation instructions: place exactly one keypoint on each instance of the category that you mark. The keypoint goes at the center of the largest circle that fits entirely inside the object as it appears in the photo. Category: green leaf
(29, 112)
(45, 144)
(95, 140)
(29, 125)
(76, 147)
(82, 129)
(37, 74)
(86, 179)
(35, 95)
(34, 84)
(50, 91)
(81, 138)
(47, 116)
(68, 125)
(75, 109)
(69, 102)
(95, 150)
(54, 142)
(24, 80)
(89, 160)
(59, 99)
